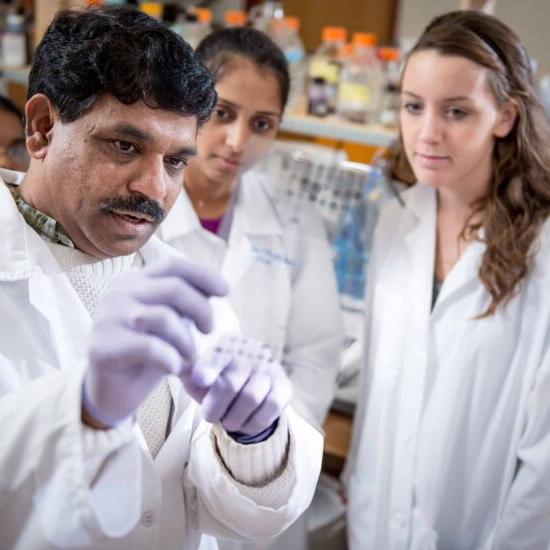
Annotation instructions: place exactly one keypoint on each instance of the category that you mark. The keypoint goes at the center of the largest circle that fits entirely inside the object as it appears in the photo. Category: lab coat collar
(181, 220)
(22, 251)
(421, 204)
(420, 201)
(253, 211)
(419, 238)
(256, 203)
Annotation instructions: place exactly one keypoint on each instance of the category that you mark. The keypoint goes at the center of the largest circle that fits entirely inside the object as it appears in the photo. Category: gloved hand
(143, 331)
(240, 384)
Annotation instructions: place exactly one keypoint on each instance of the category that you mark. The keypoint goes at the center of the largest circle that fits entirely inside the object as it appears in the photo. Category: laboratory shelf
(340, 130)
(20, 75)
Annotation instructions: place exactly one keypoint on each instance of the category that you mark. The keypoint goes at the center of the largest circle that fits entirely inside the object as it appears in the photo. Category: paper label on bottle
(354, 93)
(324, 68)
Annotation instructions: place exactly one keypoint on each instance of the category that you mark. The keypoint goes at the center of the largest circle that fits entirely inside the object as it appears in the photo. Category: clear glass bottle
(14, 41)
(285, 33)
(264, 16)
(325, 64)
(389, 107)
(361, 81)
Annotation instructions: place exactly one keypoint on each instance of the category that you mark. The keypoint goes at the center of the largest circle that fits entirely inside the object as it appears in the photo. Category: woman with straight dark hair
(451, 445)
(232, 217)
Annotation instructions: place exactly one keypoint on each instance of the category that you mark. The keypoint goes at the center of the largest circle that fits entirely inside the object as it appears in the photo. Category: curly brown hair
(518, 201)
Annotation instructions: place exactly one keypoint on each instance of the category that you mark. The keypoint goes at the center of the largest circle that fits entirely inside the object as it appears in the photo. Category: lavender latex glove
(143, 331)
(239, 384)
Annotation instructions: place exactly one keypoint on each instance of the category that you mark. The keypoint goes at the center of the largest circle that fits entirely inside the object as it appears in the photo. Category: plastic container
(285, 33)
(389, 107)
(325, 64)
(14, 41)
(235, 18)
(361, 81)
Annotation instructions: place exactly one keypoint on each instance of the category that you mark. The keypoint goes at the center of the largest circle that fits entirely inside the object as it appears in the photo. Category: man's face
(113, 174)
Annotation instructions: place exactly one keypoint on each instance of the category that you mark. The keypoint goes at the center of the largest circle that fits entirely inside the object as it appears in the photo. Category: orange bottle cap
(154, 9)
(334, 34)
(292, 22)
(388, 54)
(204, 15)
(364, 39)
(237, 18)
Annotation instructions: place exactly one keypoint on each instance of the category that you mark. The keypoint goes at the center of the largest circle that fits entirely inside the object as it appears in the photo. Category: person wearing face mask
(231, 217)
(134, 413)
(451, 443)
(13, 153)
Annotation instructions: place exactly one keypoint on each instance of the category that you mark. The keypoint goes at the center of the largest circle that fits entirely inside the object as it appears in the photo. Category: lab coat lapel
(420, 244)
(462, 277)
(183, 226)
(26, 256)
(253, 214)
(180, 221)
(238, 256)
(51, 293)
(422, 203)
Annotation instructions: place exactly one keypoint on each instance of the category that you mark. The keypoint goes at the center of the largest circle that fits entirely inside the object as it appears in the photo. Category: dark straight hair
(221, 47)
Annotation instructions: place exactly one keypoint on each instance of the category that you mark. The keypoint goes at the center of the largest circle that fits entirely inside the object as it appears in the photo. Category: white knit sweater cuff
(258, 464)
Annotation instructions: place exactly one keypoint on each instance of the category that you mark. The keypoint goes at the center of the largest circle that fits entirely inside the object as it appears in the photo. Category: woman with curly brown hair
(452, 438)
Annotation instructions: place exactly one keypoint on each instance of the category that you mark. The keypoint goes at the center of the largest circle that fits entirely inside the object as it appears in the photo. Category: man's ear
(40, 116)
(506, 119)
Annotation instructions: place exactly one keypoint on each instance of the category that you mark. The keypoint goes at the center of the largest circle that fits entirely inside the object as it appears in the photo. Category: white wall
(530, 19)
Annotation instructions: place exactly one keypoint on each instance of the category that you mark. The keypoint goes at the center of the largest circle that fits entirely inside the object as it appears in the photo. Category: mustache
(137, 204)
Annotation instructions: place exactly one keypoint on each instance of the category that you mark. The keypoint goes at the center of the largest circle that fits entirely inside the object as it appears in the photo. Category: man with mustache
(133, 413)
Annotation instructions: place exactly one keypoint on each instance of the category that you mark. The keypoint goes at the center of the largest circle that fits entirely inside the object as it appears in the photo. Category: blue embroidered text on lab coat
(266, 256)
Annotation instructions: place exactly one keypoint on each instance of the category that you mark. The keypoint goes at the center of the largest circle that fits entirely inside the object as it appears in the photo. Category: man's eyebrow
(129, 131)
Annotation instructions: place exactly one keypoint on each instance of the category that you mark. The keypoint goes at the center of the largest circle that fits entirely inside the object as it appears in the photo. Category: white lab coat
(451, 445)
(63, 485)
(282, 284)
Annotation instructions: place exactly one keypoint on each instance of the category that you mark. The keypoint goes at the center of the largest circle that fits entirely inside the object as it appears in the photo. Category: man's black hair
(123, 52)
(221, 46)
